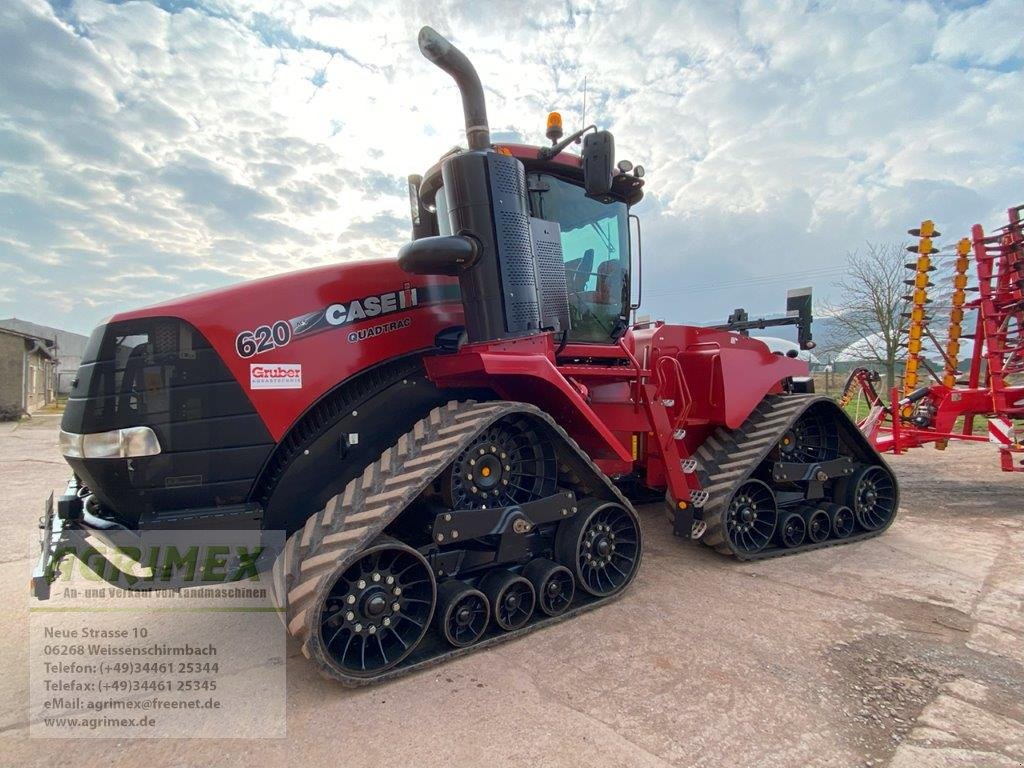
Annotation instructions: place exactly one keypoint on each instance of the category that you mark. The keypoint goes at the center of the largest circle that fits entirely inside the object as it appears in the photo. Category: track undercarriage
(796, 475)
(483, 522)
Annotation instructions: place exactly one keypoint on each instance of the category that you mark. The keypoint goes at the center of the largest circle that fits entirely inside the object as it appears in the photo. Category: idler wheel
(600, 545)
(871, 493)
(378, 610)
(751, 517)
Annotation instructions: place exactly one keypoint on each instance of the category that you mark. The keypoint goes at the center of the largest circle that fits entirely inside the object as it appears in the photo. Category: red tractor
(450, 438)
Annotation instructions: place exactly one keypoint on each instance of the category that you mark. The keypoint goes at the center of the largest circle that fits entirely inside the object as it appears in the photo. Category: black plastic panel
(161, 373)
(485, 195)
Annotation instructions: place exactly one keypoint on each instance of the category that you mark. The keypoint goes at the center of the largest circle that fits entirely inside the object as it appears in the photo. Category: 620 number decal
(263, 339)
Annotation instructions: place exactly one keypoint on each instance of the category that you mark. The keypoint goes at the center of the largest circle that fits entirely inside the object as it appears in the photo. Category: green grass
(858, 408)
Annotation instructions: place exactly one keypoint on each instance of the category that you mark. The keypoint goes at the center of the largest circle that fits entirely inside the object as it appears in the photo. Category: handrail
(682, 388)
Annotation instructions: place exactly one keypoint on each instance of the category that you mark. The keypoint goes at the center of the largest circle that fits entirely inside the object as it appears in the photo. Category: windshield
(595, 247)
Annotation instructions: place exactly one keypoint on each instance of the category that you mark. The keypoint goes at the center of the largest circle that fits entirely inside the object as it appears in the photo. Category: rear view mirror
(424, 222)
(598, 164)
(798, 303)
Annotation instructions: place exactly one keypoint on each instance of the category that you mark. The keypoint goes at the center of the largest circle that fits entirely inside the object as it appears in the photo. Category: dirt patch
(887, 686)
(888, 680)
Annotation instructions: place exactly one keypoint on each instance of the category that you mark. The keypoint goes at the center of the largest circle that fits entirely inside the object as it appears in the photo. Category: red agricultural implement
(451, 438)
(993, 387)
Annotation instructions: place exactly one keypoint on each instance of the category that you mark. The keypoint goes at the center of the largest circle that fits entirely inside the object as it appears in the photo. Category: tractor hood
(204, 386)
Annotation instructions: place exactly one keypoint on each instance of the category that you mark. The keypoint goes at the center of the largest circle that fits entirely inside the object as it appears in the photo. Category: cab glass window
(595, 247)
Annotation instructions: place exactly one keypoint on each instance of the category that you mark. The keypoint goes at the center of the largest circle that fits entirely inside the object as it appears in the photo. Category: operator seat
(609, 282)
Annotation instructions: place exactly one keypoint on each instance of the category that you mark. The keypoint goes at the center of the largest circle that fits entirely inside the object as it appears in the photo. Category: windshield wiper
(605, 238)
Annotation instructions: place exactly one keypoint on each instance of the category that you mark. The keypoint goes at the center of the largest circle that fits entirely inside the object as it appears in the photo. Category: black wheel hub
(751, 517)
(465, 614)
(874, 498)
(375, 604)
(810, 439)
(510, 463)
(606, 549)
(378, 609)
(599, 546)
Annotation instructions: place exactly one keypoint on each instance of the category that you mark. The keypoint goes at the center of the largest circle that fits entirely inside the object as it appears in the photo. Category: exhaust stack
(441, 52)
(495, 249)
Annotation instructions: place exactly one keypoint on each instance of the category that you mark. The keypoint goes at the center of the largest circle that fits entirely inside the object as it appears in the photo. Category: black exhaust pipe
(495, 249)
(441, 52)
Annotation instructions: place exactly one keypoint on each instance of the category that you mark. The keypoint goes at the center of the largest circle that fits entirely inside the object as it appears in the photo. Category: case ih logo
(371, 306)
(280, 333)
(275, 376)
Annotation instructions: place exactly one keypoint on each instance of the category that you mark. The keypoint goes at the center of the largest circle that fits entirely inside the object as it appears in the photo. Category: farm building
(27, 381)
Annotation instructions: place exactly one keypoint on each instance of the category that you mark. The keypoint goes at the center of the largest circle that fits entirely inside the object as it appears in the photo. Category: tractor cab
(600, 255)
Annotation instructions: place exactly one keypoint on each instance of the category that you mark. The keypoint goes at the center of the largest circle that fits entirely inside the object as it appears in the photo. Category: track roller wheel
(792, 529)
(378, 609)
(871, 493)
(843, 521)
(751, 517)
(511, 596)
(600, 545)
(553, 583)
(819, 524)
(462, 613)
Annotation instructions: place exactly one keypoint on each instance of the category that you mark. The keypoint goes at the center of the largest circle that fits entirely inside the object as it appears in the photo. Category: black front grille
(161, 373)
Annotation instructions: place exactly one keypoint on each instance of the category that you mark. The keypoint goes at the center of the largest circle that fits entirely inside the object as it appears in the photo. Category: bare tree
(869, 314)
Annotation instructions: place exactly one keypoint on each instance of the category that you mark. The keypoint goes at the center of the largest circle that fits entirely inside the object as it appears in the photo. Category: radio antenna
(583, 122)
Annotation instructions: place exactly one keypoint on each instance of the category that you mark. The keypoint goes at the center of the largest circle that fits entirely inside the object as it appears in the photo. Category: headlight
(116, 444)
(139, 441)
(102, 445)
(70, 444)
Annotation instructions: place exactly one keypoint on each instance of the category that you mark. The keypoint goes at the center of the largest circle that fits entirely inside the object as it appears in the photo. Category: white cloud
(988, 34)
(143, 150)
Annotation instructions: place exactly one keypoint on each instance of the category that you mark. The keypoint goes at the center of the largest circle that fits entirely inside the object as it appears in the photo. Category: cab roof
(566, 165)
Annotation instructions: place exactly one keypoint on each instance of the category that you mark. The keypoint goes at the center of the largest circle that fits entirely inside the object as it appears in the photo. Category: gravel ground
(905, 651)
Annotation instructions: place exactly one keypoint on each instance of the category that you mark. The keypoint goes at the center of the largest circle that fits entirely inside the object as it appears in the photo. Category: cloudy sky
(152, 148)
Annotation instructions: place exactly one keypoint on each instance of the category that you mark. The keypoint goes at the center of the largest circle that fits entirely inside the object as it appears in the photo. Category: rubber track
(333, 538)
(727, 458)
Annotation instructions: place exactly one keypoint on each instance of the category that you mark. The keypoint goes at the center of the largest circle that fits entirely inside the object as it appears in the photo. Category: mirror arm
(546, 153)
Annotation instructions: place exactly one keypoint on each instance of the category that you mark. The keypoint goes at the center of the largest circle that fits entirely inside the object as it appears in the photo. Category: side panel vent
(554, 300)
(517, 260)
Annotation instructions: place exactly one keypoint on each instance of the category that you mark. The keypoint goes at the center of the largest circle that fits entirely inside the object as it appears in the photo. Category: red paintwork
(526, 152)
(664, 377)
(668, 378)
(327, 357)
